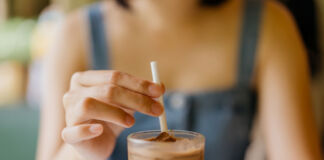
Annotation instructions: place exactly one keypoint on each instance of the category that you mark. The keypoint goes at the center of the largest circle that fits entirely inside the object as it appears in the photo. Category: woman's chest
(191, 57)
(183, 64)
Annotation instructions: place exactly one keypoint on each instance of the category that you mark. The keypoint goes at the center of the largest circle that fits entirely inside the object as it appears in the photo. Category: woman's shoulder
(276, 13)
(72, 23)
(76, 22)
(279, 35)
(69, 45)
(278, 20)
(281, 47)
(276, 7)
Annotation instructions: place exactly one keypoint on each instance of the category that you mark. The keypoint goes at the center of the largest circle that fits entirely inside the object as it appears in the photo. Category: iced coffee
(173, 145)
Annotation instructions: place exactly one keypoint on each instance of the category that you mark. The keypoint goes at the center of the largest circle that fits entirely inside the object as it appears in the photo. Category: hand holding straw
(156, 79)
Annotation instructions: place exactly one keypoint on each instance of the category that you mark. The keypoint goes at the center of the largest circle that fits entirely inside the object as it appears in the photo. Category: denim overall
(224, 117)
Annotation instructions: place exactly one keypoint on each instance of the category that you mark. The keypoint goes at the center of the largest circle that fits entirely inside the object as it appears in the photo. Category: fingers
(92, 109)
(108, 96)
(135, 101)
(125, 98)
(92, 78)
(81, 132)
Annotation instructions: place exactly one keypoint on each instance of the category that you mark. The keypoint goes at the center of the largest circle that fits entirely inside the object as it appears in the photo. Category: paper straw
(156, 79)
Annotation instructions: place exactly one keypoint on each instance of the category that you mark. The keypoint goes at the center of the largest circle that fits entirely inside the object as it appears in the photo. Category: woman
(213, 71)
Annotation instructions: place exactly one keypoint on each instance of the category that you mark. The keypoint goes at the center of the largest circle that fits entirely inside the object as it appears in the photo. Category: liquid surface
(163, 137)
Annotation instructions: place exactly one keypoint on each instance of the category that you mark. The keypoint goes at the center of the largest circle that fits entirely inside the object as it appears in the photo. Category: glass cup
(189, 146)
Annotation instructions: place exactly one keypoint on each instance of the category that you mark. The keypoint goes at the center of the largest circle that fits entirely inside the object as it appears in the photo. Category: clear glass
(189, 146)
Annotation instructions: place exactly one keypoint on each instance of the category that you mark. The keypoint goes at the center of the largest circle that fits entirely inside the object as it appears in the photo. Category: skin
(98, 105)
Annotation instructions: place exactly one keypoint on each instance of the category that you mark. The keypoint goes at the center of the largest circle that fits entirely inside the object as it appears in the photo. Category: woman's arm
(283, 84)
(66, 56)
(96, 106)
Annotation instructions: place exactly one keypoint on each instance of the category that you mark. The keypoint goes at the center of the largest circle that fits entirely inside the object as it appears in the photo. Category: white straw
(156, 79)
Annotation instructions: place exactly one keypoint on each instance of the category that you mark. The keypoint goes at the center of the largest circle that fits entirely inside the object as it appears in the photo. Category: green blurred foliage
(15, 38)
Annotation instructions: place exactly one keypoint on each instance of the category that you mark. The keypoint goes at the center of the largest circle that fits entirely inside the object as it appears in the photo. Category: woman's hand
(100, 104)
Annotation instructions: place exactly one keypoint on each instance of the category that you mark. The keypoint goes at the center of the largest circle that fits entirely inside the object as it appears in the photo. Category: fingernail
(129, 120)
(155, 90)
(96, 128)
(157, 109)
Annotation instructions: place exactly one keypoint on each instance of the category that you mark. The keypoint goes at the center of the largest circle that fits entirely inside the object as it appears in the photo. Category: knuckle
(75, 77)
(72, 118)
(121, 115)
(64, 135)
(111, 91)
(140, 100)
(79, 111)
(68, 119)
(115, 76)
(143, 85)
(143, 103)
(66, 99)
(86, 105)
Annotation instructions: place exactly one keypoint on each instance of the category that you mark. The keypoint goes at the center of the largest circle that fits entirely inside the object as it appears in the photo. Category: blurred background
(27, 27)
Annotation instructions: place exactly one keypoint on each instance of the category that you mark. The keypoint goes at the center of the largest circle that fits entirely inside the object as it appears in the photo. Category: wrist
(68, 152)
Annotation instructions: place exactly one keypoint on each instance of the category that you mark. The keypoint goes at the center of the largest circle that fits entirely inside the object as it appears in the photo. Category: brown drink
(178, 145)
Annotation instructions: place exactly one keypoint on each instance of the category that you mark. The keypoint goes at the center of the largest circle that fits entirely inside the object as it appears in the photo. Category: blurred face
(163, 10)
(158, 13)
(180, 3)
